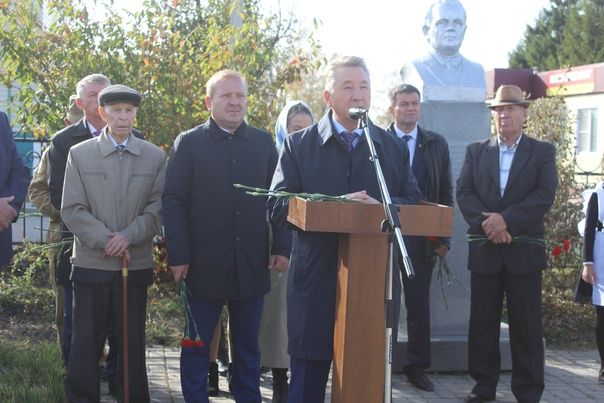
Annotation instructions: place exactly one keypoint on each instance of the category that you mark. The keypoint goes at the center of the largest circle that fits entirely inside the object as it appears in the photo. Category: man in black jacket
(217, 235)
(431, 166)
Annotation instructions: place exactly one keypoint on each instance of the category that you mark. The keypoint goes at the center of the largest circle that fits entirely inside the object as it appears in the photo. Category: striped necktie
(348, 139)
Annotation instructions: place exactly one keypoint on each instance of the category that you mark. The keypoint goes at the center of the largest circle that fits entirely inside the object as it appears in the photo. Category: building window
(587, 130)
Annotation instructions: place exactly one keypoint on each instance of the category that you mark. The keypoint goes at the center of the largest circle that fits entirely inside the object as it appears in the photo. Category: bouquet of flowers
(187, 340)
(252, 191)
(516, 239)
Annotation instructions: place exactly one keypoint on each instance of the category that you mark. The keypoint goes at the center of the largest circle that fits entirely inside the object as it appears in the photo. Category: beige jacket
(40, 197)
(107, 192)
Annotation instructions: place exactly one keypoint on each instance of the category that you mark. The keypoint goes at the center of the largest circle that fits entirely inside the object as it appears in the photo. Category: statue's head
(445, 26)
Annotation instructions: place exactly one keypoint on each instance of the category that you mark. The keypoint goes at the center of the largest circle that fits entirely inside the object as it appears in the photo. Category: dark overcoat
(314, 160)
(220, 231)
(14, 180)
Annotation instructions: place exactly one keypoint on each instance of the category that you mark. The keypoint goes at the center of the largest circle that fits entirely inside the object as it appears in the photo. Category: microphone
(357, 113)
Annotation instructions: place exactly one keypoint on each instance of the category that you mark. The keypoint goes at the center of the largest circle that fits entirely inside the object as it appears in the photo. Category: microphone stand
(392, 225)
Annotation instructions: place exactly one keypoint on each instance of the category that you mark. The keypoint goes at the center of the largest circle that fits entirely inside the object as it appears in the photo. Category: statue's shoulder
(423, 62)
(473, 66)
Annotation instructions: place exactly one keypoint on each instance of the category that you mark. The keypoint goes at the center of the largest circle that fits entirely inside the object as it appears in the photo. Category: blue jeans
(244, 325)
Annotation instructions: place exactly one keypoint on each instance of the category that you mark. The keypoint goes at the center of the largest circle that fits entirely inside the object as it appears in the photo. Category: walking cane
(125, 325)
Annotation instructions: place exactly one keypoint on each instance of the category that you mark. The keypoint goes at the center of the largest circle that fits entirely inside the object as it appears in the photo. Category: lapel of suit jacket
(492, 154)
(521, 157)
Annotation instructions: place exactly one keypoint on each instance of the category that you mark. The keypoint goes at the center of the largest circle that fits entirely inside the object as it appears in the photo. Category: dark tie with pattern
(407, 137)
(120, 148)
(97, 133)
(348, 139)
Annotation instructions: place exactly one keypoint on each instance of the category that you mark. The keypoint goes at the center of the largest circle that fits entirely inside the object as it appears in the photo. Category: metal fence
(588, 178)
(31, 225)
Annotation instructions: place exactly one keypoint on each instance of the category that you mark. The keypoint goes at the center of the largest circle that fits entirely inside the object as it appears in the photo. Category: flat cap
(119, 93)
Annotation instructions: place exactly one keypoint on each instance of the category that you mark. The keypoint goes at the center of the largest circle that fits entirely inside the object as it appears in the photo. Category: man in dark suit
(14, 179)
(506, 186)
(431, 166)
(218, 236)
(331, 157)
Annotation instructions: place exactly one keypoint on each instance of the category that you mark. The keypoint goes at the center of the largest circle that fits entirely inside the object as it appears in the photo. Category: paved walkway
(570, 376)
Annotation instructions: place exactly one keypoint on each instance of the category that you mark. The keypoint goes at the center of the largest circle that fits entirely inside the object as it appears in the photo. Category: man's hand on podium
(362, 197)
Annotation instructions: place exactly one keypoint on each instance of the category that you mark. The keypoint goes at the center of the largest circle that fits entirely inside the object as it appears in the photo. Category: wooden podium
(359, 334)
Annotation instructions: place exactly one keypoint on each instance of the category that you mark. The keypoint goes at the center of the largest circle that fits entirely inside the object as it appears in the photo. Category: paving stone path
(570, 376)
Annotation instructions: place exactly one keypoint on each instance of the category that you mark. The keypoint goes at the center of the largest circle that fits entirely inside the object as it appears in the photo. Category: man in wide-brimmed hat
(506, 186)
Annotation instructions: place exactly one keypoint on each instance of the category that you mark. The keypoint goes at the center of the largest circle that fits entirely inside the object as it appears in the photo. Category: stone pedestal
(461, 124)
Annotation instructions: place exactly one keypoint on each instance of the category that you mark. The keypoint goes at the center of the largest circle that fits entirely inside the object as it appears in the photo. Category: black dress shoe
(421, 381)
(474, 398)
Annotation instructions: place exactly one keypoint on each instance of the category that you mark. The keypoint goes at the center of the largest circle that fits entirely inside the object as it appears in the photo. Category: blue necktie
(120, 148)
(348, 139)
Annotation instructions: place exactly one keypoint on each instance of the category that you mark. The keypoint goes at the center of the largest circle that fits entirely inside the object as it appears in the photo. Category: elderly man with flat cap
(506, 186)
(111, 203)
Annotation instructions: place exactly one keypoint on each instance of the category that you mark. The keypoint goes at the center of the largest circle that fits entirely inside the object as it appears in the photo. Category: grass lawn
(31, 366)
(30, 372)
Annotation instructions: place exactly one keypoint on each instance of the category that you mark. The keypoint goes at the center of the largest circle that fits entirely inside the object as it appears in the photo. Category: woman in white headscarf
(296, 115)
(591, 284)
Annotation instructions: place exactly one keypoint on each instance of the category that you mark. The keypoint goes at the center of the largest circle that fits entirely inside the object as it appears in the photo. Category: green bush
(564, 322)
(25, 285)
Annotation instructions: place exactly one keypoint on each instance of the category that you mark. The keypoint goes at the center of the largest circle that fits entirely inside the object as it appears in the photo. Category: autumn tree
(167, 51)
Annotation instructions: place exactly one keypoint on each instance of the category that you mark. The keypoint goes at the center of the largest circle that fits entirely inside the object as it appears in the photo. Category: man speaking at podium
(330, 157)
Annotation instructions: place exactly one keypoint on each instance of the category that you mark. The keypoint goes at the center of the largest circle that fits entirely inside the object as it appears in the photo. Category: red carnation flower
(187, 342)
(433, 239)
(566, 245)
(556, 251)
